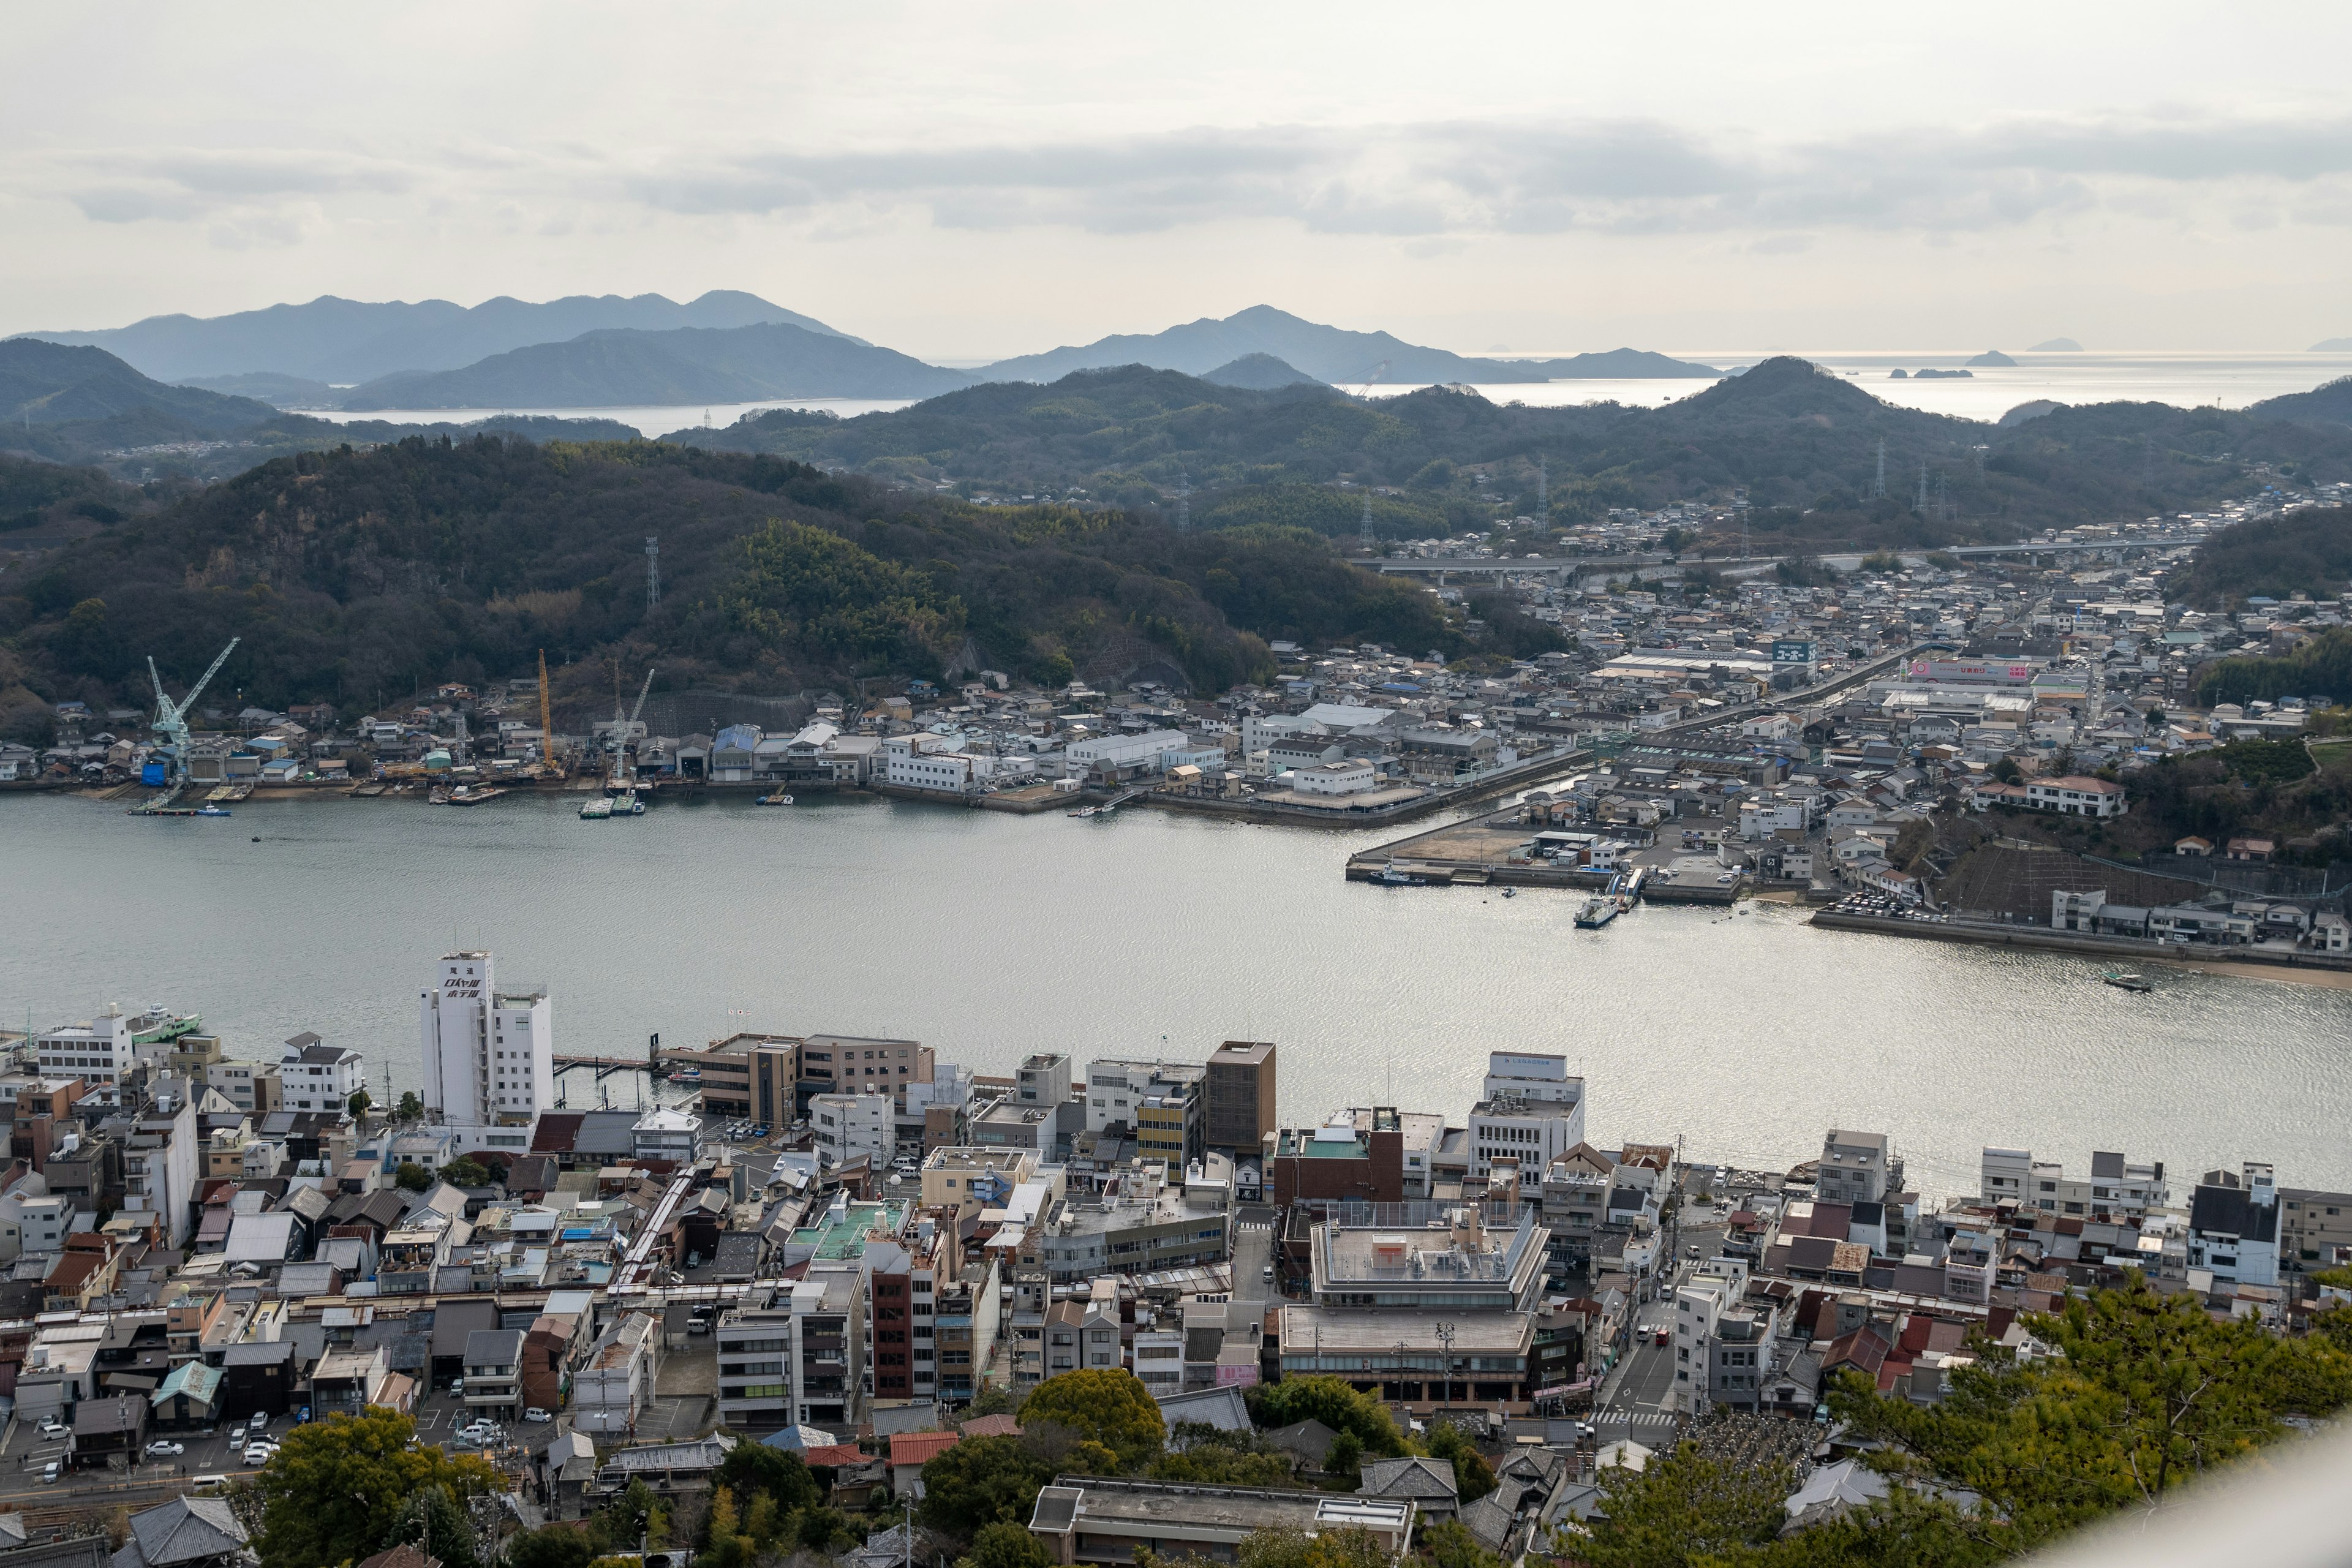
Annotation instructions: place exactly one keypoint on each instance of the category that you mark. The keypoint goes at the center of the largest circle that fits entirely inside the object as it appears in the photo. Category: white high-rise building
(489, 1056)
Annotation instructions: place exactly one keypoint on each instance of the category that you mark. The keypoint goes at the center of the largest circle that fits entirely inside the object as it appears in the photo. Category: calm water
(989, 936)
(2231, 380)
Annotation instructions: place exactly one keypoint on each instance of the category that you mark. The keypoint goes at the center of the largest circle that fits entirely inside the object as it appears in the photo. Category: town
(852, 1251)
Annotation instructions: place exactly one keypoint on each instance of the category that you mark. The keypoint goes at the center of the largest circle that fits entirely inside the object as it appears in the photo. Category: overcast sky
(969, 181)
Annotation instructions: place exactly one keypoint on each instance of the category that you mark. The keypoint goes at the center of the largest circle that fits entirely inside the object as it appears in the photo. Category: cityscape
(1163, 787)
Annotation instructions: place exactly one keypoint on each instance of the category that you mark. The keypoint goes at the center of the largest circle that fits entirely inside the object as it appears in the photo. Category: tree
(1104, 1405)
(1004, 1545)
(982, 1481)
(1450, 1544)
(552, 1546)
(1346, 1455)
(466, 1172)
(755, 1469)
(1473, 1477)
(992, 1401)
(337, 1488)
(1681, 1508)
(411, 1177)
(359, 1103)
(412, 1108)
(1334, 1404)
(437, 1523)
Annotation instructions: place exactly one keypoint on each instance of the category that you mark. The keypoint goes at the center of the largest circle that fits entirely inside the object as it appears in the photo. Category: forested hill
(1803, 443)
(355, 576)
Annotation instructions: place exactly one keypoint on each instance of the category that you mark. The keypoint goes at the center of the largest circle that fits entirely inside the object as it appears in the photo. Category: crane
(626, 730)
(171, 718)
(546, 722)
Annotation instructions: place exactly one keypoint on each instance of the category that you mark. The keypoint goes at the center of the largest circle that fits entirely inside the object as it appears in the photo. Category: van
(203, 1484)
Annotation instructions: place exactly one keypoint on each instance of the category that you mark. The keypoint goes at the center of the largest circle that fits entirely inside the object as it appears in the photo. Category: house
(2192, 847)
(186, 1532)
(494, 1371)
(909, 1452)
(1095, 1519)
(2073, 795)
(617, 1378)
(2252, 851)
(1427, 1484)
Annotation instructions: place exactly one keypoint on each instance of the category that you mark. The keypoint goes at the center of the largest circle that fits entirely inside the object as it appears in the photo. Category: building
(755, 1359)
(617, 1379)
(666, 1133)
(1042, 1080)
(2233, 1226)
(1090, 1519)
(253, 1087)
(99, 1050)
(842, 1063)
(2117, 1185)
(1161, 1103)
(2074, 795)
(317, 1077)
(1534, 1132)
(489, 1056)
(1855, 1168)
(2314, 1229)
(161, 1160)
(494, 1372)
(1140, 1223)
(967, 1179)
(1699, 1303)
(1239, 1090)
(853, 1126)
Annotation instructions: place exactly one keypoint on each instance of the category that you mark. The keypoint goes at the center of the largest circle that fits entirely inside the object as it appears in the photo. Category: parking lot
(220, 1451)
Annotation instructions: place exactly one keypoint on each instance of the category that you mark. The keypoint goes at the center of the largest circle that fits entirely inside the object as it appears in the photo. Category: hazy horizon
(967, 186)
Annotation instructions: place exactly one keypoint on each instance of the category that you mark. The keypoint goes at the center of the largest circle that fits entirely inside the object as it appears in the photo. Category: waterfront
(987, 936)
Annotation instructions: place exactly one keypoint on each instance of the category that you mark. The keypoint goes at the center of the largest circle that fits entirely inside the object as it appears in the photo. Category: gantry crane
(626, 729)
(546, 722)
(171, 719)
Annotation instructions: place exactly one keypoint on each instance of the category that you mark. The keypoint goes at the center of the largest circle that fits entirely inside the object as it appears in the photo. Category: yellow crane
(546, 722)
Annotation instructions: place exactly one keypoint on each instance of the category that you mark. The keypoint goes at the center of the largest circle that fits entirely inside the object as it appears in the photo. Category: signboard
(1996, 671)
(1795, 650)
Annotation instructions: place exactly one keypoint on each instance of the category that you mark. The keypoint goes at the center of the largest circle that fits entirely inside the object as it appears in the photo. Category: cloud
(1487, 178)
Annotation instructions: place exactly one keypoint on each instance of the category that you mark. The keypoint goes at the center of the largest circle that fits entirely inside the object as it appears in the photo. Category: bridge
(1577, 567)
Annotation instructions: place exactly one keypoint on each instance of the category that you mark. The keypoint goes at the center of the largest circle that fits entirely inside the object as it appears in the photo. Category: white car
(536, 1414)
(259, 1453)
(53, 1428)
(159, 1449)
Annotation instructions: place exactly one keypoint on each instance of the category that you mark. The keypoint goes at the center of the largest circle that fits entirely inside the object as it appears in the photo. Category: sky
(970, 181)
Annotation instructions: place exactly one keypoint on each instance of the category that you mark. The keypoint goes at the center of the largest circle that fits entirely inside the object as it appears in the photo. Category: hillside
(47, 384)
(1804, 444)
(2307, 551)
(691, 364)
(355, 575)
(1261, 372)
(2330, 403)
(350, 340)
(1326, 353)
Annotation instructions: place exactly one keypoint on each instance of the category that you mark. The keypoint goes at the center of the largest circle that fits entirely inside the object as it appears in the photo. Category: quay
(1995, 933)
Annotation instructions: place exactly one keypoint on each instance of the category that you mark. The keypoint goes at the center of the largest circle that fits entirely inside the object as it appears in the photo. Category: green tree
(552, 1546)
(466, 1172)
(412, 1108)
(1104, 1405)
(1681, 1508)
(435, 1521)
(336, 1490)
(725, 1545)
(1473, 1477)
(992, 1401)
(1334, 1404)
(359, 1103)
(1346, 1455)
(1004, 1545)
(982, 1481)
(411, 1177)
(1450, 1544)
(755, 1469)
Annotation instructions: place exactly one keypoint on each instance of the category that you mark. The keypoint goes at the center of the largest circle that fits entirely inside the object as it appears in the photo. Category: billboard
(1795, 650)
(1975, 672)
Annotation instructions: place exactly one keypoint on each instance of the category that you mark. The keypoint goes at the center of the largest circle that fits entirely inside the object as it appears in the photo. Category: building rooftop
(840, 1231)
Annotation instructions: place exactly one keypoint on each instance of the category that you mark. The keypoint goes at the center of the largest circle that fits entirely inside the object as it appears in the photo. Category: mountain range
(346, 341)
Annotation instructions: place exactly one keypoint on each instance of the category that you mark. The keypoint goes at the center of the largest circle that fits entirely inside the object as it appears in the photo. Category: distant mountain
(1260, 372)
(44, 384)
(2330, 403)
(2332, 346)
(282, 391)
(692, 364)
(2025, 411)
(349, 341)
(1330, 354)
(1994, 358)
(2056, 346)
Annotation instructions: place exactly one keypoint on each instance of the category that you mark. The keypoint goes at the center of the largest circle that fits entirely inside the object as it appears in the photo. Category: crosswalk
(1253, 1225)
(1611, 1418)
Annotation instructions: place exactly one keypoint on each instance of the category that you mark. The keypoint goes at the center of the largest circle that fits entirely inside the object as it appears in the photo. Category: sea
(1742, 1035)
(2185, 379)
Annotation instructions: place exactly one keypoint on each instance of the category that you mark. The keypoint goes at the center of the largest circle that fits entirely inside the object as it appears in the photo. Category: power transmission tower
(1943, 496)
(1183, 503)
(2146, 463)
(1878, 485)
(1543, 495)
(1920, 506)
(653, 572)
(1368, 522)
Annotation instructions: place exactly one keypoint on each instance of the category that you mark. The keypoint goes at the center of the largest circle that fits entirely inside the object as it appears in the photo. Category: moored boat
(1598, 912)
(596, 810)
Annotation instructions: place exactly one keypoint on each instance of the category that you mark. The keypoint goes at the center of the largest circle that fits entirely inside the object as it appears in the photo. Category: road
(1638, 1397)
(1253, 1248)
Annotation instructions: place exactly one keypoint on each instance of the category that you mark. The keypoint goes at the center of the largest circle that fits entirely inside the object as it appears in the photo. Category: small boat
(779, 798)
(1510, 892)
(1087, 811)
(1597, 913)
(209, 810)
(2127, 982)
(1389, 876)
(596, 810)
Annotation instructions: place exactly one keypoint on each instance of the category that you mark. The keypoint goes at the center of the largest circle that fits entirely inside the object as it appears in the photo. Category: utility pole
(1543, 495)
(1445, 1340)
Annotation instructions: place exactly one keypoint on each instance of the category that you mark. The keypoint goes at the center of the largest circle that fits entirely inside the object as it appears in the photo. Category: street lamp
(1445, 1339)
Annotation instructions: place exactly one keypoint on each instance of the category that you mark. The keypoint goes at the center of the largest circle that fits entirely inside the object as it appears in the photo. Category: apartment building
(1162, 1102)
(489, 1055)
(161, 1160)
(1239, 1094)
(2314, 1228)
(252, 1087)
(2233, 1226)
(1857, 1168)
(2116, 1186)
(1700, 1304)
(846, 1064)
(616, 1382)
(756, 1356)
(853, 1126)
(317, 1077)
(1139, 1223)
(967, 1178)
(1532, 1132)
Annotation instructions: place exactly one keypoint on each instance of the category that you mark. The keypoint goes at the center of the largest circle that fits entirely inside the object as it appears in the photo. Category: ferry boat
(596, 810)
(1598, 912)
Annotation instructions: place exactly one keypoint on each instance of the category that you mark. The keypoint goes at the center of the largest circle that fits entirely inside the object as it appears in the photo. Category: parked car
(160, 1449)
(536, 1414)
(53, 1427)
(51, 1472)
(259, 1453)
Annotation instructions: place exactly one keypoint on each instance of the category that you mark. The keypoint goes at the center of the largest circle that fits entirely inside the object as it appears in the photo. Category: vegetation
(2142, 1394)
(1473, 1477)
(344, 1488)
(411, 1177)
(466, 1172)
(982, 1481)
(2319, 667)
(2307, 551)
(1107, 1406)
(1335, 1403)
(1211, 1456)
